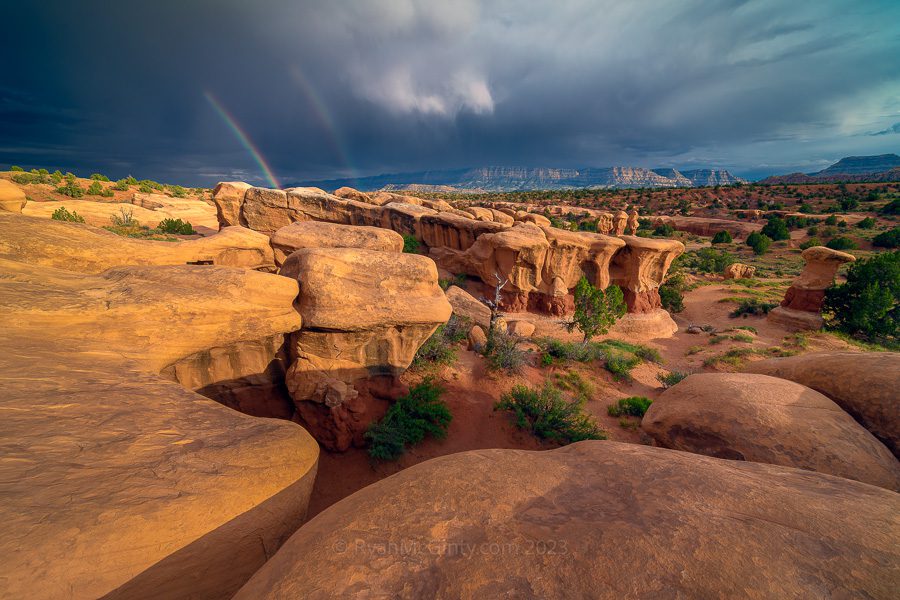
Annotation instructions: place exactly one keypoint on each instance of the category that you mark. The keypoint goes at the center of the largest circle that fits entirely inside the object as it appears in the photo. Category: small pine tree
(722, 237)
(596, 310)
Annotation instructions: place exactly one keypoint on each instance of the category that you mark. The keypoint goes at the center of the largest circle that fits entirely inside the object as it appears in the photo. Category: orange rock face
(318, 234)
(639, 269)
(562, 523)
(807, 292)
(864, 384)
(765, 419)
(12, 198)
(365, 314)
(738, 271)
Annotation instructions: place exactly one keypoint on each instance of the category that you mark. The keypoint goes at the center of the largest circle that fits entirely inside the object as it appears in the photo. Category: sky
(199, 91)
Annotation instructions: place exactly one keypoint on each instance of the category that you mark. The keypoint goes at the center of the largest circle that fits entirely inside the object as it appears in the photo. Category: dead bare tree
(494, 305)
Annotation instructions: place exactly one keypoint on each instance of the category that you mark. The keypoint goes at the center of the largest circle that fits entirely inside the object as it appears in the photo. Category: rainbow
(243, 138)
(326, 120)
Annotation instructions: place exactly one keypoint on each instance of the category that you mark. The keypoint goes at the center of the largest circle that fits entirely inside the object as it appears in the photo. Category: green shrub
(95, 189)
(633, 406)
(841, 243)
(831, 220)
(805, 209)
(642, 352)
(121, 185)
(814, 230)
(671, 378)
(145, 189)
(99, 177)
(408, 421)
(671, 297)
(559, 350)
(16, 168)
(722, 237)
(776, 229)
(131, 180)
(70, 188)
(151, 184)
(869, 302)
(458, 280)
(62, 214)
(891, 208)
(759, 242)
(752, 306)
(125, 218)
(505, 354)
(175, 226)
(548, 415)
(867, 223)
(887, 239)
(813, 241)
(441, 347)
(177, 191)
(705, 260)
(620, 364)
(596, 310)
(664, 230)
(410, 244)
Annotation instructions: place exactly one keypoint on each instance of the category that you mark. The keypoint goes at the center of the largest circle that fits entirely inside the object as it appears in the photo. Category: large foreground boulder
(865, 384)
(765, 419)
(365, 314)
(117, 483)
(594, 520)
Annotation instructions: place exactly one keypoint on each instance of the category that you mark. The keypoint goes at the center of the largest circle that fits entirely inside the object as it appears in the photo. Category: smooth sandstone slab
(594, 520)
(318, 234)
(148, 209)
(765, 419)
(865, 384)
(88, 249)
(12, 198)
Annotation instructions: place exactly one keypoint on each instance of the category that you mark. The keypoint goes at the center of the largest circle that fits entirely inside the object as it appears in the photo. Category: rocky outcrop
(738, 271)
(451, 231)
(620, 222)
(317, 234)
(12, 198)
(764, 419)
(802, 302)
(864, 384)
(640, 268)
(116, 482)
(564, 523)
(365, 314)
(88, 249)
(707, 226)
(228, 197)
(465, 305)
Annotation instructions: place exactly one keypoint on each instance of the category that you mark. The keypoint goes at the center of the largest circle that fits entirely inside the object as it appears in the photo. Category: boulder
(351, 194)
(539, 220)
(266, 210)
(365, 314)
(467, 306)
(864, 384)
(520, 328)
(316, 234)
(807, 292)
(481, 214)
(477, 339)
(738, 271)
(502, 217)
(12, 198)
(595, 519)
(116, 482)
(764, 419)
(620, 222)
(87, 249)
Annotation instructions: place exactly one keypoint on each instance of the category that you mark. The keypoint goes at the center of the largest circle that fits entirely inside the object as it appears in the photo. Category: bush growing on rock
(441, 347)
(596, 310)
(408, 421)
(121, 185)
(620, 364)
(99, 177)
(548, 415)
(70, 188)
(722, 237)
(671, 378)
(633, 406)
(176, 226)
(410, 244)
(63, 214)
(891, 208)
(16, 168)
(813, 241)
(868, 303)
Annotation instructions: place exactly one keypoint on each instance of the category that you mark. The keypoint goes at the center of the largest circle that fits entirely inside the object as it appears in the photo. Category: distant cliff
(502, 179)
(880, 168)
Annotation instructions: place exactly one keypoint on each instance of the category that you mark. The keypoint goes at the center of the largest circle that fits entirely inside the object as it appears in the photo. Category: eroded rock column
(802, 304)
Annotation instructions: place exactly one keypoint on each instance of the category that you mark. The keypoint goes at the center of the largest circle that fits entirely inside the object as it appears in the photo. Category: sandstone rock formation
(12, 198)
(117, 483)
(620, 222)
(802, 302)
(738, 271)
(864, 384)
(468, 307)
(565, 523)
(317, 234)
(228, 197)
(707, 226)
(88, 249)
(365, 314)
(633, 219)
(476, 339)
(765, 419)
(520, 328)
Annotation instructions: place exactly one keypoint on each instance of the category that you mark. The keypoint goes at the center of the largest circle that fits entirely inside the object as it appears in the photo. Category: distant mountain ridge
(506, 179)
(879, 168)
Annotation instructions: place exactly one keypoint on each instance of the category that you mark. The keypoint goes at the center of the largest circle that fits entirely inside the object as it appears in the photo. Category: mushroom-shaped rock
(563, 523)
(803, 300)
(865, 384)
(228, 196)
(317, 234)
(620, 222)
(365, 314)
(738, 271)
(765, 419)
(115, 482)
(633, 219)
(12, 198)
(465, 305)
(87, 249)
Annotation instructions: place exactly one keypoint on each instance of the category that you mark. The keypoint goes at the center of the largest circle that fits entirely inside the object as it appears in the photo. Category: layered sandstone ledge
(564, 523)
(116, 482)
(539, 264)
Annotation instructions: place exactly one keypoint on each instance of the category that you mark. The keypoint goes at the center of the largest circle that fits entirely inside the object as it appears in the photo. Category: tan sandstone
(738, 271)
(12, 198)
(316, 234)
(803, 300)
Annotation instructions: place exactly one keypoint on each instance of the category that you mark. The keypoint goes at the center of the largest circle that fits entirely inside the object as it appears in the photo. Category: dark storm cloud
(333, 88)
(895, 128)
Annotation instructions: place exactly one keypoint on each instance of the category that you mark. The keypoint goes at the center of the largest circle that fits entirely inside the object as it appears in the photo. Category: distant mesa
(508, 179)
(880, 168)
